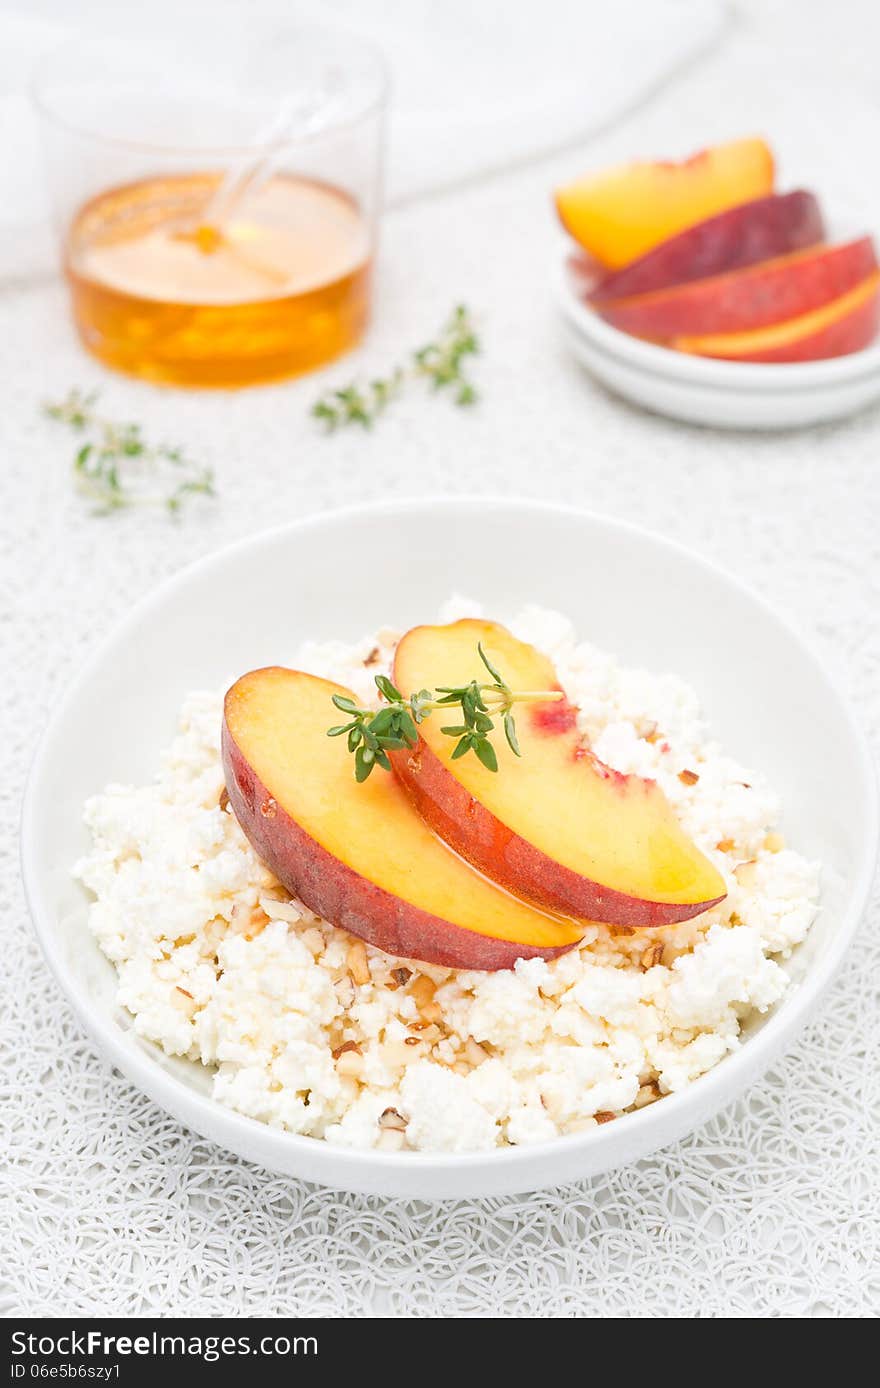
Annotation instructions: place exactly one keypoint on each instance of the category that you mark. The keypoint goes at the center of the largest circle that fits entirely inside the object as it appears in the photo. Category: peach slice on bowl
(846, 324)
(621, 213)
(360, 855)
(740, 236)
(554, 824)
(770, 292)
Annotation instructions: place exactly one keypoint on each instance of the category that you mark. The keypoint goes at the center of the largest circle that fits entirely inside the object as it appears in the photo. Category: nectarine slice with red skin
(740, 300)
(762, 229)
(360, 855)
(621, 213)
(554, 825)
(847, 324)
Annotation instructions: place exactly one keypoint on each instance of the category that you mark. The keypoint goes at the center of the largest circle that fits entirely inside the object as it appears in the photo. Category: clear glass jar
(216, 196)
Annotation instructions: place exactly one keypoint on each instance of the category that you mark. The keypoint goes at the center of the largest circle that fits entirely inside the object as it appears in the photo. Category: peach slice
(754, 297)
(845, 325)
(554, 825)
(623, 212)
(360, 855)
(759, 230)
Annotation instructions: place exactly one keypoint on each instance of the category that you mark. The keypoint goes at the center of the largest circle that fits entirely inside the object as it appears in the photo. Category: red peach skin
(846, 325)
(756, 297)
(374, 839)
(554, 825)
(758, 230)
(475, 833)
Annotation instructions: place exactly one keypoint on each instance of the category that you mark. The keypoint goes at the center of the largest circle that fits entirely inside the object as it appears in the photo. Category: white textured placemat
(108, 1206)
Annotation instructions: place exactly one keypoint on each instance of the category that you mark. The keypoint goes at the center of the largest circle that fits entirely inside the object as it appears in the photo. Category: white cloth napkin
(476, 87)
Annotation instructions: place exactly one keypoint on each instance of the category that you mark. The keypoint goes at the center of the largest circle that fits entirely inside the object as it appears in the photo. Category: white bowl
(341, 575)
(725, 394)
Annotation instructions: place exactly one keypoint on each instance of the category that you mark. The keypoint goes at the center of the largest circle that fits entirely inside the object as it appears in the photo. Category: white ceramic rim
(734, 376)
(222, 1125)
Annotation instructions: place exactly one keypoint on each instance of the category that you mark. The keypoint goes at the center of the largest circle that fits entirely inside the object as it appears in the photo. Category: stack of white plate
(701, 390)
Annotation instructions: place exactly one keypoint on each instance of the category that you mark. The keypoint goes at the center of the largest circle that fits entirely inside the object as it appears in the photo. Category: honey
(282, 286)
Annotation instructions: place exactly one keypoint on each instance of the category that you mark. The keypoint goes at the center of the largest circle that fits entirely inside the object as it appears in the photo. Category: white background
(112, 1208)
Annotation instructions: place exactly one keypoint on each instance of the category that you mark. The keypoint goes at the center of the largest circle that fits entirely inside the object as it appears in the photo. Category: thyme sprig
(441, 362)
(358, 404)
(116, 467)
(372, 734)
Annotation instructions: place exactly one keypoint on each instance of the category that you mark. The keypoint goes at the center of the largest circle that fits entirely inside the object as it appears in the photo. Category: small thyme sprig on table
(441, 362)
(373, 734)
(117, 468)
(357, 404)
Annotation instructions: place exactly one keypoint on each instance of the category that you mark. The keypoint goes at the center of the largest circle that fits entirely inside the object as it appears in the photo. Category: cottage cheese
(216, 963)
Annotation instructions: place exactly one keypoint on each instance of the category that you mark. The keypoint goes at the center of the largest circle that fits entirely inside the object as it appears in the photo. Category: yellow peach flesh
(619, 214)
(617, 831)
(277, 720)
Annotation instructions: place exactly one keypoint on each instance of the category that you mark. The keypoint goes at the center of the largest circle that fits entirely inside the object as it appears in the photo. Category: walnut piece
(358, 965)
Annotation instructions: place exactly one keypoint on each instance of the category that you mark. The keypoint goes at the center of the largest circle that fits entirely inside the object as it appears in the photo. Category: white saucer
(726, 394)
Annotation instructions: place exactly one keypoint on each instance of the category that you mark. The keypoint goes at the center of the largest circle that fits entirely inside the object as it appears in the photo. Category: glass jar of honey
(217, 198)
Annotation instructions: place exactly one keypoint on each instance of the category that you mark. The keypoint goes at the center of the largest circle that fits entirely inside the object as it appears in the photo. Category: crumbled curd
(216, 963)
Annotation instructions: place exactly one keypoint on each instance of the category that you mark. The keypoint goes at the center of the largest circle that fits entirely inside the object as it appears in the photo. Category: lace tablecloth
(108, 1205)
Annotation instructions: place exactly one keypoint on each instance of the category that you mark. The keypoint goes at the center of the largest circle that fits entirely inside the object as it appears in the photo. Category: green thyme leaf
(510, 734)
(490, 667)
(117, 468)
(393, 727)
(440, 363)
(486, 753)
(386, 688)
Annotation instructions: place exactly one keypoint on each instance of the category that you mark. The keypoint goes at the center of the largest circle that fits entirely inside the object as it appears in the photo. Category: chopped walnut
(350, 1063)
(256, 924)
(390, 1118)
(474, 1053)
(401, 1053)
(278, 909)
(313, 940)
(431, 1033)
(391, 1140)
(745, 873)
(358, 965)
(646, 1095)
(653, 955)
(422, 991)
(373, 657)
